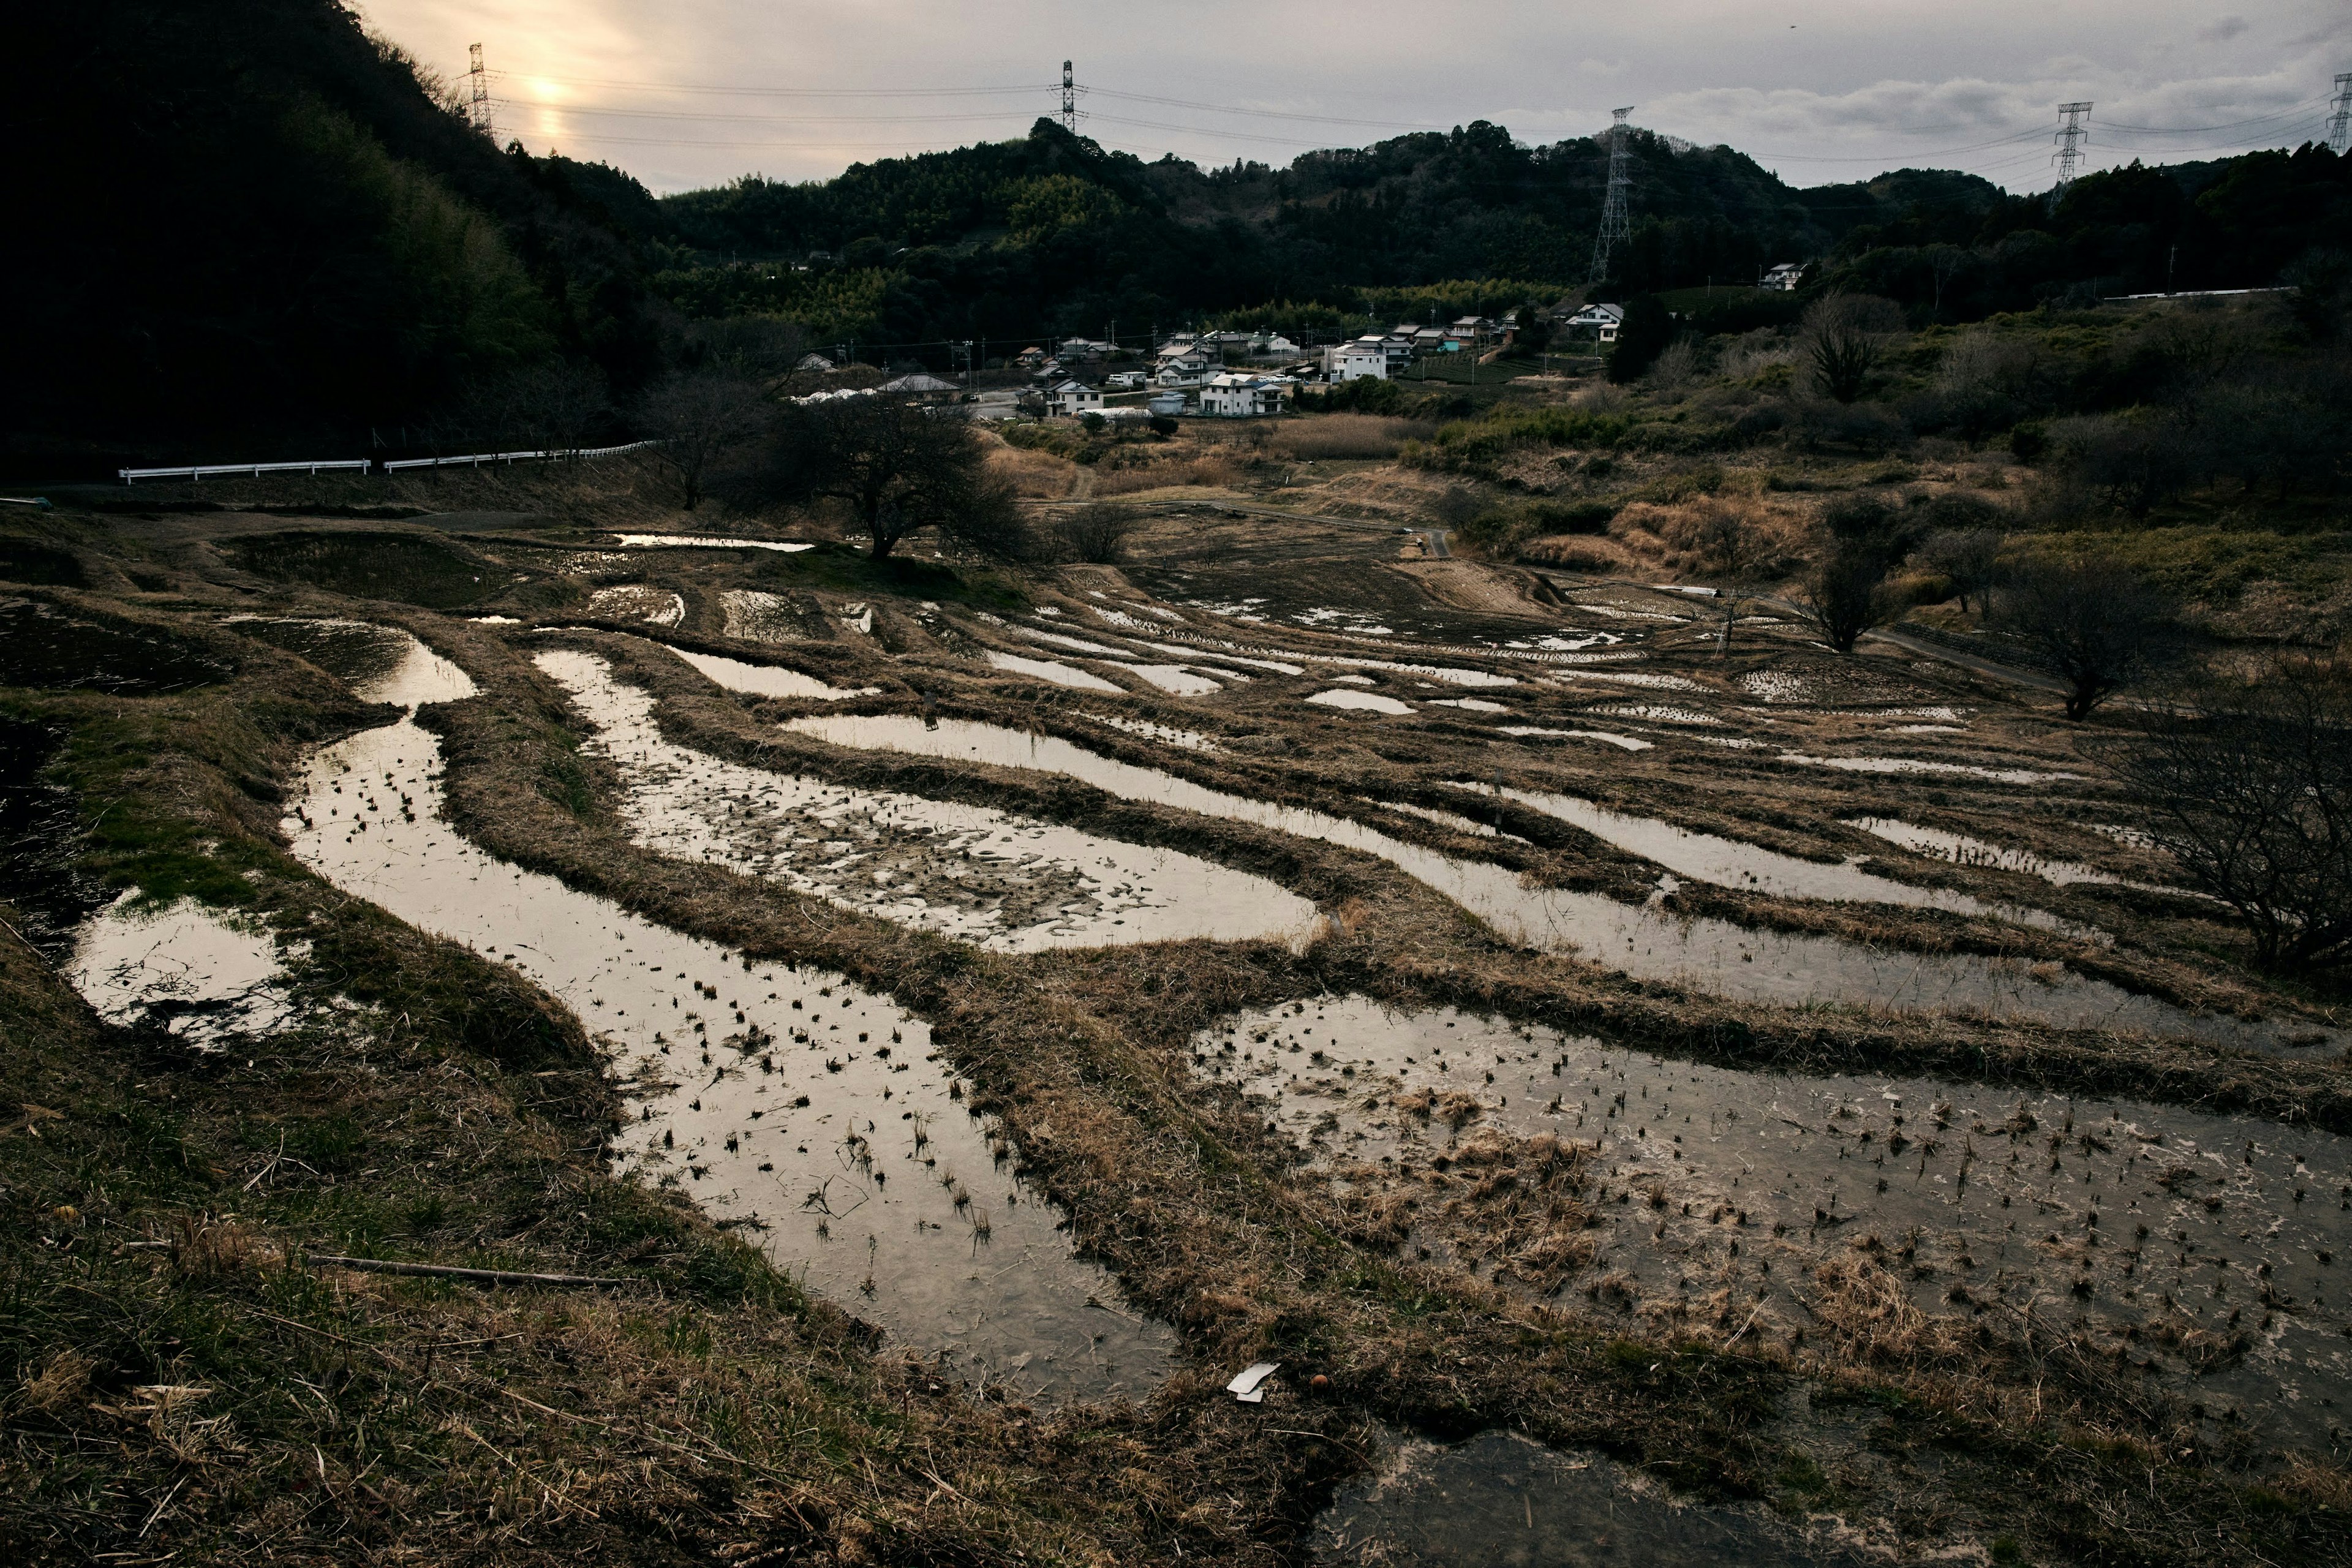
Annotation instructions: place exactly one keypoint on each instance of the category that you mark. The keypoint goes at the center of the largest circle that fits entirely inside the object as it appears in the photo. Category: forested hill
(244, 220)
(247, 228)
(1051, 231)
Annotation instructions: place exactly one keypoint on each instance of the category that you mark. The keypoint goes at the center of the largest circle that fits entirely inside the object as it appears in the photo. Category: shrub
(1095, 534)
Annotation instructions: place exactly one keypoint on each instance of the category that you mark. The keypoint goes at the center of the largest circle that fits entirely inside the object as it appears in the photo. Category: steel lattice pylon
(1616, 227)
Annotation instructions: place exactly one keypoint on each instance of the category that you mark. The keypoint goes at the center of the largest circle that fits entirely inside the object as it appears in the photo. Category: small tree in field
(1845, 336)
(1966, 558)
(2249, 785)
(1846, 593)
(1093, 534)
(2093, 623)
(699, 416)
(899, 466)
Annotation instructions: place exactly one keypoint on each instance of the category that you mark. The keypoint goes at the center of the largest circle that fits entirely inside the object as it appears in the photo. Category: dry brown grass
(1040, 476)
(1204, 471)
(1341, 435)
(1734, 536)
(1577, 552)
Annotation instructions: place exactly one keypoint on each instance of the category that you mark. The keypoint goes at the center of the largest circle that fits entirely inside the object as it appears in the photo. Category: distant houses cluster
(1235, 374)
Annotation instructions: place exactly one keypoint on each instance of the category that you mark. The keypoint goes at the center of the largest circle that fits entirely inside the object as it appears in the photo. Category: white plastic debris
(1247, 1386)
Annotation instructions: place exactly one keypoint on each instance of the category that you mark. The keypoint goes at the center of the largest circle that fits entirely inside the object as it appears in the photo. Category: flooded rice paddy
(1730, 863)
(785, 1100)
(2207, 1251)
(1963, 850)
(379, 663)
(971, 872)
(1053, 671)
(1780, 968)
(1502, 1501)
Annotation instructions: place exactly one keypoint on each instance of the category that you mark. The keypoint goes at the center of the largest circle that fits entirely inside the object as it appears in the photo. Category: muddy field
(1660, 1091)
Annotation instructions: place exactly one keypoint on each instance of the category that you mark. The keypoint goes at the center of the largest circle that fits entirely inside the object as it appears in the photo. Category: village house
(1072, 398)
(1784, 278)
(1365, 357)
(1166, 404)
(1603, 319)
(1181, 369)
(1232, 396)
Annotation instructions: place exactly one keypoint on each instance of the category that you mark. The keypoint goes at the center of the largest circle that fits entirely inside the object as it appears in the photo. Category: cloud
(2222, 30)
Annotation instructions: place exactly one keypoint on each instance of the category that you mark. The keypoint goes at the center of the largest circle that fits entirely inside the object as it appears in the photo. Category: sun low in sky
(698, 91)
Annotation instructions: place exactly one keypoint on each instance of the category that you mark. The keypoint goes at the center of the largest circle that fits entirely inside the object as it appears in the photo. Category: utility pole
(2340, 124)
(477, 109)
(1616, 227)
(2071, 135)
(1069, 101)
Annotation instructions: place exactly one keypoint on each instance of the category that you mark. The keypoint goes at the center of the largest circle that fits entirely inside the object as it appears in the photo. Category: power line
(787, 91)
(758, 119)
(1261, 113)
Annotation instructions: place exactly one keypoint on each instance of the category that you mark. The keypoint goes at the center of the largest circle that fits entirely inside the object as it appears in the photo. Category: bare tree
(2094, 624)
(2249, 785)
(1846, 593)
(1966, 558)
(899, 466)
(1095, 534)
(699, 416)
(551, 408)
(1845, 336)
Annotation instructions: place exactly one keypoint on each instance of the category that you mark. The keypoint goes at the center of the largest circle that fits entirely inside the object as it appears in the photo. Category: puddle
(1915, 765)
(1359, 703)
(380, 664)
(783, 1098)
(636, 601)
(1051, 670)
(1499, 1498)
(1009, 883)
(1606, 737)
(707, 541)
(45, 646)
(1731, 863)
(2203, 1247)
(1780, 968)
(185, 969)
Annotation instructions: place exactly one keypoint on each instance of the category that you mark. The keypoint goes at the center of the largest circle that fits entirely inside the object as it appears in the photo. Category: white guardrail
(203, 472)
(198, 473)
(477, 458)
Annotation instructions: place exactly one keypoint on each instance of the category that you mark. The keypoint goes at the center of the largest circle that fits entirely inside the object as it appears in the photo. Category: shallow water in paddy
(769, 1093)
(1006, 883)
(380, 664)
(1722, 1191)
(1501, 1501)
(198, 974)
(1711, 955)
(1730, 863)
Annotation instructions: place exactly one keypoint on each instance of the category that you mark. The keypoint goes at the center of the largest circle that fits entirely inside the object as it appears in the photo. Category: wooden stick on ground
(480, 1276)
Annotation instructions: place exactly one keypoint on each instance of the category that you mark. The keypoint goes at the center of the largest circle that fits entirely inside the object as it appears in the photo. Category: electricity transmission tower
(478, 110)
(2071, 135)
(2340, 124)
(1616, 227)
(1069, 101)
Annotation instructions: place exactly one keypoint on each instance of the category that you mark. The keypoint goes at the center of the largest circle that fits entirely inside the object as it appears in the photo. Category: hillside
(265, 234)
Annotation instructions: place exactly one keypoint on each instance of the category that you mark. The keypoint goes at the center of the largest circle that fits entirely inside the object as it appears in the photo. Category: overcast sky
(694, 92)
